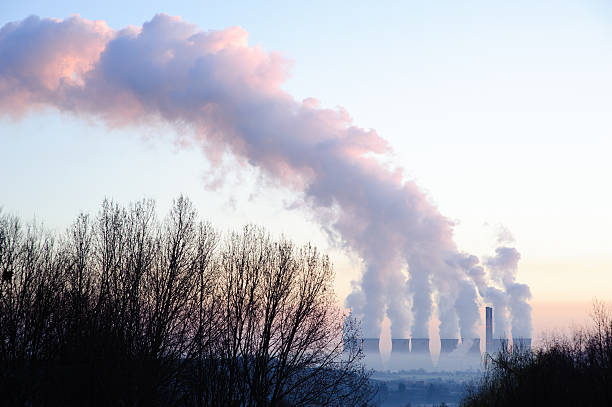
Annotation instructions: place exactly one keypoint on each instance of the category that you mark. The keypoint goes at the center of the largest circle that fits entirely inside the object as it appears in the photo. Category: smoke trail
(230, 95)
(502, 274)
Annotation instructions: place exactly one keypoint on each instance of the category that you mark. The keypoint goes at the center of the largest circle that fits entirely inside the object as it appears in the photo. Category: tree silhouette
(124, 309)
(565, 371)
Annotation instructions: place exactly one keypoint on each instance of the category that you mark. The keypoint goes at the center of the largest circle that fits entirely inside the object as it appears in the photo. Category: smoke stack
(448, 345)
(400, 346)
(370, 346)
(489, 329)
(420, 345)
(521, 344)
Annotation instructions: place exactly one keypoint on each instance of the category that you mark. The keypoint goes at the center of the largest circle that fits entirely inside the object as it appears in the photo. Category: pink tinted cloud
(230, 94)
(40, 58)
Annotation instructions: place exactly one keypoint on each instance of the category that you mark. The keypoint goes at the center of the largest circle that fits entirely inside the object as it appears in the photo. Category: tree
(565, 371)
(124, 309)
(282, 340)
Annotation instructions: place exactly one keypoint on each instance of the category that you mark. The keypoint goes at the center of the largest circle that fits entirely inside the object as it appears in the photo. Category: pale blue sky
(499, 111)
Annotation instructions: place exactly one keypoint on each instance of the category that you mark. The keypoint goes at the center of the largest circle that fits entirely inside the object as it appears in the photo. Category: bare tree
(564, 371)
(124, 309)
(283, 330)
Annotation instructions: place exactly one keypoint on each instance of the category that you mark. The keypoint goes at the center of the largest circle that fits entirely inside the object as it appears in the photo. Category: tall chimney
(489, 329)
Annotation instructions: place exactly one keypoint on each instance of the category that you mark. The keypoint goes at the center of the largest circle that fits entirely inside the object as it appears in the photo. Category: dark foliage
(575, 371)
(125, 310)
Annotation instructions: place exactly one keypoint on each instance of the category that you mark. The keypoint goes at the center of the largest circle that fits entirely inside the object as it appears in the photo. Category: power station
(448, 345)
(415, 353)
(400, 346)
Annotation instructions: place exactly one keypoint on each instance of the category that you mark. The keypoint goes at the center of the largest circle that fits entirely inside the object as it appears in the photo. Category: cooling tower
(400, 346)
(448, 345)
(475, 348)
(420, 357)
(420, 345)
(370, 346)
(400, 354)
(371, 353)
(499, 345)
(489, 329)
(521, 344)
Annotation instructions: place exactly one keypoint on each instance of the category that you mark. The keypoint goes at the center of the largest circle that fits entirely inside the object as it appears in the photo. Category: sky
(500, 112)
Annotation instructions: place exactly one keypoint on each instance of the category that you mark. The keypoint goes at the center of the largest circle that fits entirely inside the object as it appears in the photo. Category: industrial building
(448, 345)
(370, 346)
(415, 353)
(400, 347)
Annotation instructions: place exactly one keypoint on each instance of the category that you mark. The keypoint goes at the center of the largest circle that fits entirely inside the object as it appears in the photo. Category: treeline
(125, 309)
(566, 371)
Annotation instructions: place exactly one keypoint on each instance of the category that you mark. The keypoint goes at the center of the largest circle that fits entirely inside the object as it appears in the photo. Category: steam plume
(230, 95)
(504, 266)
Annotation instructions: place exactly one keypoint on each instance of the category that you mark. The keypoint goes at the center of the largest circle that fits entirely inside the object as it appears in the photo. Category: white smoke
(503, 269)
(230, 95)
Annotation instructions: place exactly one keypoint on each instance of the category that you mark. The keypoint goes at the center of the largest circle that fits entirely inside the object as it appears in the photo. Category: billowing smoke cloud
(230, 96)
(468, 314)
(472, 285)
(503, 268)
(499, 289)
